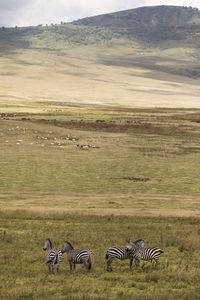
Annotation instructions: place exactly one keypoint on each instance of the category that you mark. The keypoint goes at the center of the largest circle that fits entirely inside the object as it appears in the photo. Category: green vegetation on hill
(137, 31)
(146, 25)
(150, 24)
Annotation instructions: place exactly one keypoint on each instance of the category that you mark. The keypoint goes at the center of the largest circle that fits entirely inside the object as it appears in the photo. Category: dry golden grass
(116, 205)
(82, 76)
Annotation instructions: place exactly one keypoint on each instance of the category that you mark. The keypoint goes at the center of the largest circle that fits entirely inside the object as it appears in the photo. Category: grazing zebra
(120, 253)
(83, 256)
(54, 256)
(142, 253)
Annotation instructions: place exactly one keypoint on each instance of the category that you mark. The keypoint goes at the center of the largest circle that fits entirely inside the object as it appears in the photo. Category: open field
(115, 158)
(136, 160)
(84, 159)
(138, 178)
(24, 274)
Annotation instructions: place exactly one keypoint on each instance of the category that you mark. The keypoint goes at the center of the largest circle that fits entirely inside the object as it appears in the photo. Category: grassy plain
(139, 181)
(24, 274)
(138, 155)
(139, 178)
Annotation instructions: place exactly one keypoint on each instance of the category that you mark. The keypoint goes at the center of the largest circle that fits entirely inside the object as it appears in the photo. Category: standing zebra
(54, 256)
(142, 253)
(120, 253)
(83, 256)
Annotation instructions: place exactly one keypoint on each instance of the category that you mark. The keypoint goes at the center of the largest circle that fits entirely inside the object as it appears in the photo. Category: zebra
(54, 256)
(138, 252)
(83, 256)
(120, 253)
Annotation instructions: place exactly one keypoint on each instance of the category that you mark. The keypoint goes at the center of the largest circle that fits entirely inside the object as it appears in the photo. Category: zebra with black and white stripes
(120, 253)
(82, 256)
(142, 253)
(54, 256)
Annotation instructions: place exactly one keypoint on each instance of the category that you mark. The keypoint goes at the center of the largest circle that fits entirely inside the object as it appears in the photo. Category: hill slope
(141, 57)
(152, 26)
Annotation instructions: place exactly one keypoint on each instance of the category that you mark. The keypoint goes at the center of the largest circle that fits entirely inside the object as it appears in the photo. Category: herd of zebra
(134, 250)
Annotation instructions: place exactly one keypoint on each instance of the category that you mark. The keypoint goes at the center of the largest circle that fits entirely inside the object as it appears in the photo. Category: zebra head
(47, 244)
(130, 246)
(67, 247)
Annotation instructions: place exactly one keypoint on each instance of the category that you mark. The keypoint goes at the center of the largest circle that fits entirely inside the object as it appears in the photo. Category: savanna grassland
(97, 176)
(123, 158)
(24, 274)
(100, 142)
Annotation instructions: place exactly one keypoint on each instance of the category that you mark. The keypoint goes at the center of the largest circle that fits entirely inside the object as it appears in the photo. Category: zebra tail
(161, 251)
(49, 261)
(89, 264)
(107, 255)
(56, 258)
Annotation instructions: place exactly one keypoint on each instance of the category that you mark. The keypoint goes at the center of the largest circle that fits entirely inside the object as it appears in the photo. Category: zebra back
(146, 253)
(117, 252)
(79, 256)
(54, 256)
(151, 253)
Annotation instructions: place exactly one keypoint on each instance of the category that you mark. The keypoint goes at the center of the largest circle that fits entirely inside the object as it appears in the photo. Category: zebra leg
(58, 265)
(131, 262)
(137, 262)
(157, 262)
(109, 268)
(49, 265)
(70, 267)
(86, 266)
(74, 267)
(89, 264)
(53, 269)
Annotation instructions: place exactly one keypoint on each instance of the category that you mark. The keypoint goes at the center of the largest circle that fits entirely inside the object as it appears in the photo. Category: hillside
(140, 57)
(150, 26)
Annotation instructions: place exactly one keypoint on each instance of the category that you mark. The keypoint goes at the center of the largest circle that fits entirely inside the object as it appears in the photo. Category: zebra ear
(49, 242)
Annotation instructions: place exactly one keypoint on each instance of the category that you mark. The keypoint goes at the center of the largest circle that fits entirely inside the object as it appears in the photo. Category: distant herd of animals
(134, 250)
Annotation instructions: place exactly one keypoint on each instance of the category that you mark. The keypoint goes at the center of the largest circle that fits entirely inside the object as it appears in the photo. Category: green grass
(24, 274)
(99, 197)
(140, 155)
(41, 155)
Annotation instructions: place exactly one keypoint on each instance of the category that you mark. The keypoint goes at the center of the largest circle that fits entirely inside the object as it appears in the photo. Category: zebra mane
(130, 241)
(49, 242)
(69, 244)
(140, 243)
(140, 240)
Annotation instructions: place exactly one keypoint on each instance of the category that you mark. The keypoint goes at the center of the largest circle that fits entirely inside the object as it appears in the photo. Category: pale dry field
(88, 76)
